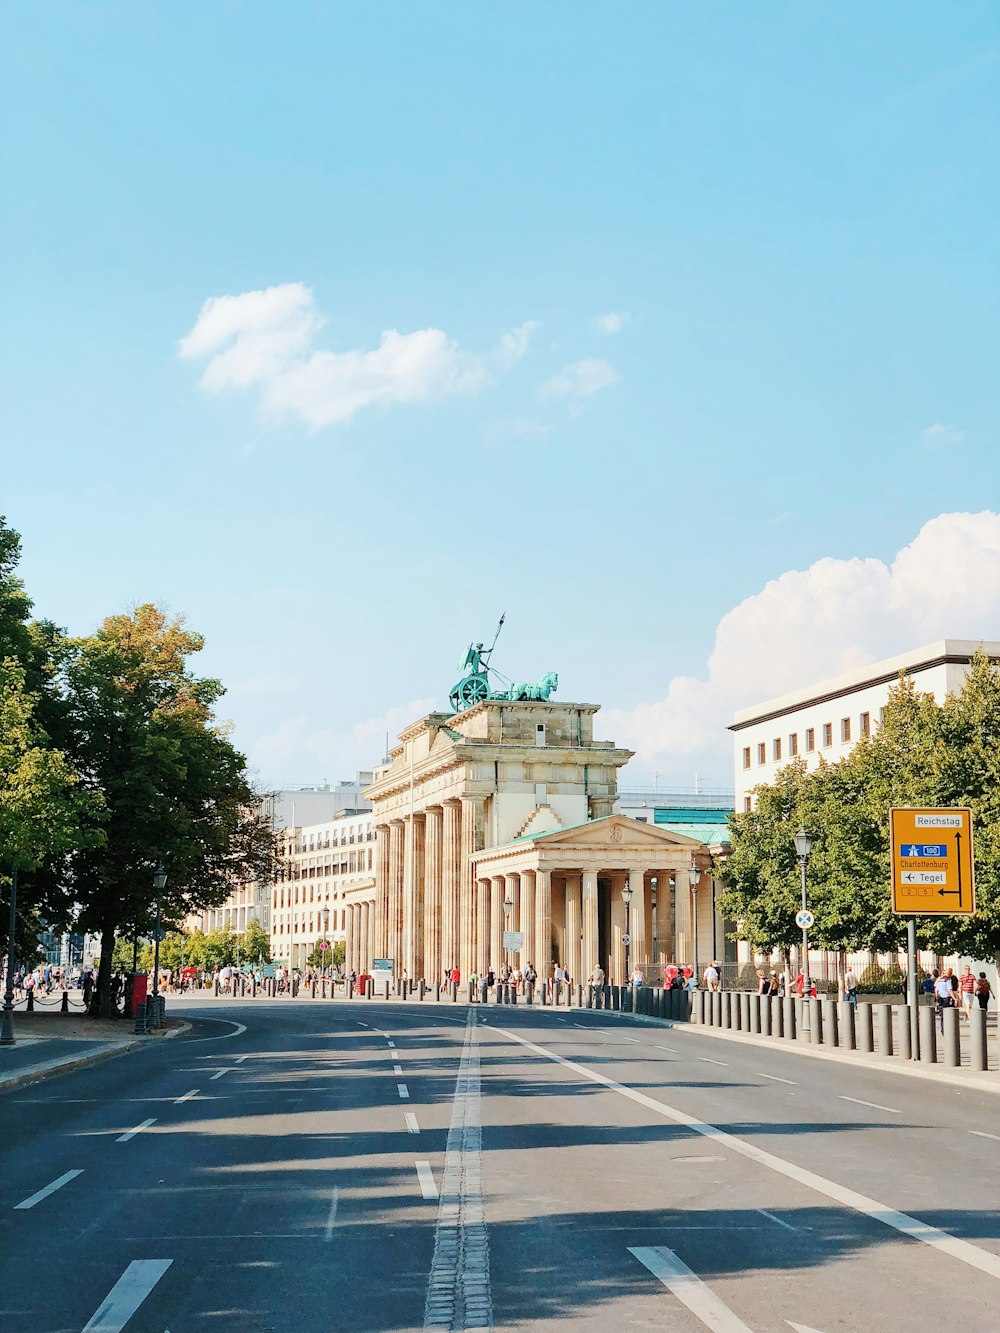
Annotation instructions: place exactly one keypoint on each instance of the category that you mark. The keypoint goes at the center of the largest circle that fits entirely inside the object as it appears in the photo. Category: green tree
(255, 945)
(142, 730)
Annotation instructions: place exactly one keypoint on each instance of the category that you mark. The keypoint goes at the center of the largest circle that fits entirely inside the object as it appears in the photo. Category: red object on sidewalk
(139, 984)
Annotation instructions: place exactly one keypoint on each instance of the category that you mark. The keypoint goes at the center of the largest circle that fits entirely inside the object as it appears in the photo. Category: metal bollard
(140, 1016)
(815, 1021)
(777, 1016)
(370, 988)
(927, 1020)
(755, 1014)
(745, 1010)
(765, 1015)
(952, 1040)
(543, 995)
(421, 989)
(864, 1030)
(437, 991)
(64, 1007)
(579, 996)
(727, 1009)
(977, 1039)
(848, 1037)
(715, 1003)
(789, 1016)
(217, 986)
(472, 994)
(829, 1022)
(312, 988)
(454, 992)
(884, 1025)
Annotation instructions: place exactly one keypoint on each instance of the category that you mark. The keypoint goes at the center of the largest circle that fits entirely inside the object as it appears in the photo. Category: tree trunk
(103, 1006)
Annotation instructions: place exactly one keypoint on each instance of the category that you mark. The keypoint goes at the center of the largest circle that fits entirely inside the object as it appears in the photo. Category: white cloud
(941, 436)
(266, 340)
(811, 624)
(612, 322)
(581, 379)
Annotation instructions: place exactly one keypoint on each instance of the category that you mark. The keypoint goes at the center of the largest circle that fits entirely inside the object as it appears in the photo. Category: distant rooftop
(678, 798)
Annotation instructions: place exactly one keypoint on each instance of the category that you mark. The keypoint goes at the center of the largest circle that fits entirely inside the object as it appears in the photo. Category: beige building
(501, 816)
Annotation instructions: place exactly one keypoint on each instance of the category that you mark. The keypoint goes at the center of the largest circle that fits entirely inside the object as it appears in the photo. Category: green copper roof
(710, 834)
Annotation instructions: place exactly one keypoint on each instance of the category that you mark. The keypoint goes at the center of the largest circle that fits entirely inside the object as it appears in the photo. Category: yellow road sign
(931, 854)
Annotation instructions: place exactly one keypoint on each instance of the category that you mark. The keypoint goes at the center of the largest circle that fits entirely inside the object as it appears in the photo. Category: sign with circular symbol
(804, 920)
(626, 939)
(323, 945)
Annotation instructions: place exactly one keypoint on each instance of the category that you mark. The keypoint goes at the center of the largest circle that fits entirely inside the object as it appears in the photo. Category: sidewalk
(53, 1043)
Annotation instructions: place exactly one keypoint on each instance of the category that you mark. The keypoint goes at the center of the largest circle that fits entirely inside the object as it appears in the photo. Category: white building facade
(827, 719)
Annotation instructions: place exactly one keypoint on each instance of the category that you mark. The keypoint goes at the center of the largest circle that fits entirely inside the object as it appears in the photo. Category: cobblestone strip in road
(458, 1293)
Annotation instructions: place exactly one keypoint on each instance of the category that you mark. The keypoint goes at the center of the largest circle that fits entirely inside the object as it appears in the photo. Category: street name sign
(513, 940)
(931, 855)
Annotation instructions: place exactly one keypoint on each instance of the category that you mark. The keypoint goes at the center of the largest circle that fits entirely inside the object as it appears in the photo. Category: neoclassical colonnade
(359, 934)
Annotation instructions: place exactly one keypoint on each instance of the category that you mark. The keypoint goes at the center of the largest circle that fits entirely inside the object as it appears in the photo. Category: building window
(810, 739)
(881, 716)
(793, 745)
(827, 735)
(761, 753)
(746, 805)
(746, 756)
(845, 730)
(776, 749)
(865, 724)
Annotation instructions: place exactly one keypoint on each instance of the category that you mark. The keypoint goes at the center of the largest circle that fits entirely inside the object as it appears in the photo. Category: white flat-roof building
(828, 718)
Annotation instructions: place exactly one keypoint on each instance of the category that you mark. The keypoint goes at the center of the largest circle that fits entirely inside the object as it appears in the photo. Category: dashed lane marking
(187, 1096)
(778, 1221)
(689, 1289)
(331, 1219)
(707, 1060)
(876, 1106)
(982, 1134)
(426, 1178)
(411, 1123)
(32, 1199)
(775, 1079)
(127, 1295)
(403, 1090)
(131, 1133)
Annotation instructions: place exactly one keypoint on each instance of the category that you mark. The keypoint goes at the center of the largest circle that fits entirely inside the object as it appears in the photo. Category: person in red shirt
(967, 989)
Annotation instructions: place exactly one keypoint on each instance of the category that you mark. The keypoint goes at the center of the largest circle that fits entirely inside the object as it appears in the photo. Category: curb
(66, 1064)
(988, 1081)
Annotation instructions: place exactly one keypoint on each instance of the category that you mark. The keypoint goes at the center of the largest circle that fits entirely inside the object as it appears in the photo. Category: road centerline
(41, 1194)
(127, 1295)
(876, 1106)
(131, 1133)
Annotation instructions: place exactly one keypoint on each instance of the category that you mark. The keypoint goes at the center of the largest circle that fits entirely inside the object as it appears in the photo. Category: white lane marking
(130, 1134)
(775, 1079)
(671, 1049)
(49, 1189)
(689, 1289)
(219, 1074)
(458, 1288)
(802, 1328)
(223, 1036)
(707, 1060)
(127, 1295)
(581, 1025)
(392, 1044)
(696, 1159)
(403, 1090)
(876, 1106)
(962, 1250)
(411, 1122)
(238, 1059)
(397, 1069)
(634, 1040)
(187, 1096)
(426, 1177)
(332, 1216)
(982, 1134)
(779, 1221)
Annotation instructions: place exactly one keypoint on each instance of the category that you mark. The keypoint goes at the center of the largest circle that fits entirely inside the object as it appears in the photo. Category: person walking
(711, 977)
(942, 996)
(596, 983)
(851, 987)
(967, 990)
(983, 991)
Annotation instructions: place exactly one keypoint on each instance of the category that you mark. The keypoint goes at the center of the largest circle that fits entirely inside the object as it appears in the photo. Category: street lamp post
(508, 907)
(159, 884)
(694, 878)
(7, 1037)
(803, 849)
(653, 895)
(627, 900)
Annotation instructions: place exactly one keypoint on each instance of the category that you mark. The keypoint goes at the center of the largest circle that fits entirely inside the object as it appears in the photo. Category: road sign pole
(805, 943)
(911, 985)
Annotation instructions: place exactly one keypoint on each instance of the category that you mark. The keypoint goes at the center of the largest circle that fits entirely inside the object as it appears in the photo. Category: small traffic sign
(932, 867)
(626, 939)
(160, 935)
(804, 919)
(323, 944)
(513, 941)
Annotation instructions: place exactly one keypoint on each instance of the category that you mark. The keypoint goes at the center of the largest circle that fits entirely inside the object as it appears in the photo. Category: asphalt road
(277, 1170)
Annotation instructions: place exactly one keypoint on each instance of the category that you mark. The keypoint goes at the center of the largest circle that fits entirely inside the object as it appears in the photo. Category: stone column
(543, 924)
(414, 937)
(380, 932)
(395, 938)
(682, 918)
(573, 923)
(482, 926)
(473, 814)
(617, 930)
(497, 887)
(512, 891)
(637, 883)
(433, 963)
(365, 961)
(527, 920)
(590, 926)
(451, 853)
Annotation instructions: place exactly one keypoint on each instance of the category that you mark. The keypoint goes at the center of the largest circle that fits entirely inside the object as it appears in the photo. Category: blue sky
(791, 209)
